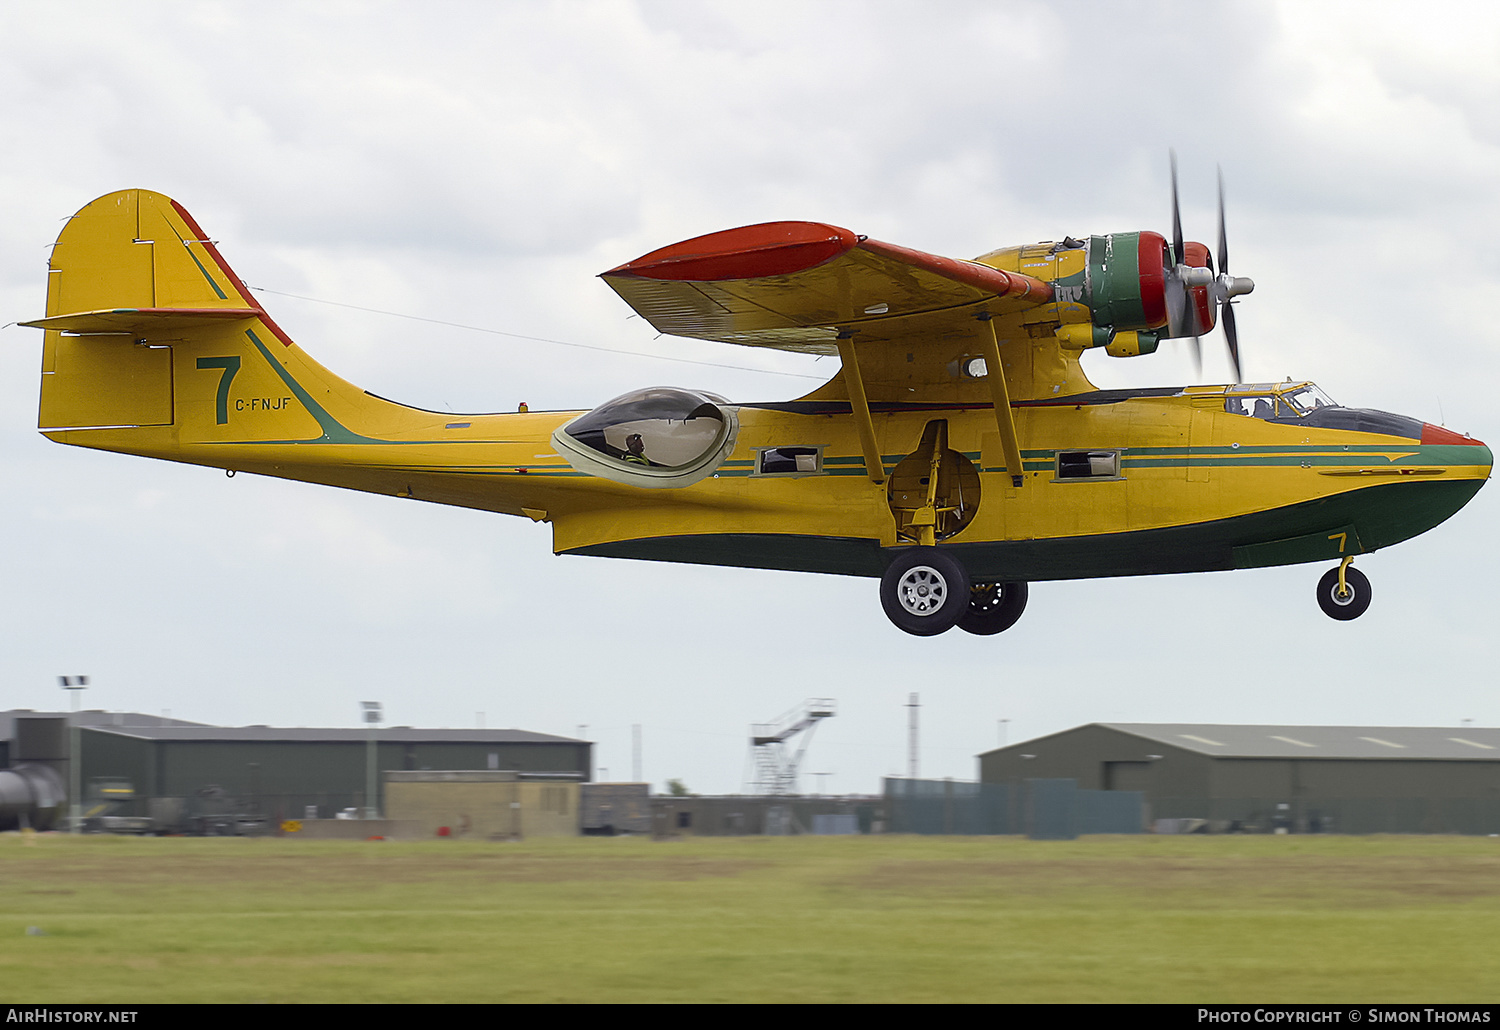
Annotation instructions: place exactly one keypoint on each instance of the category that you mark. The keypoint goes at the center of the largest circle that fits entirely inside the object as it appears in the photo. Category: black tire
(1344, 608)
(993, 608)
(925, 591)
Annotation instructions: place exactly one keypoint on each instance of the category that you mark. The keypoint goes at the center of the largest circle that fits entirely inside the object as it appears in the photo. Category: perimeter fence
(1471, 816)
(1044, 809)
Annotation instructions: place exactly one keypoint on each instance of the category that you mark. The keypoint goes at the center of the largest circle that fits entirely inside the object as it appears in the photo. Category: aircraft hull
(1382, 515)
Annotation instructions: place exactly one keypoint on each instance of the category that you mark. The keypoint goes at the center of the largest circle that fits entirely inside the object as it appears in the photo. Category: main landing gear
(1344, 592)
(926, 591)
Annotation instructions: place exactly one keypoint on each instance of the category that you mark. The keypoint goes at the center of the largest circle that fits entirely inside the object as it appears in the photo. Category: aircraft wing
(798, 285)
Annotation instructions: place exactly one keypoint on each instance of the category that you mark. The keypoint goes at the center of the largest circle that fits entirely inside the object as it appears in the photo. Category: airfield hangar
(134, 765)
(1340, 779)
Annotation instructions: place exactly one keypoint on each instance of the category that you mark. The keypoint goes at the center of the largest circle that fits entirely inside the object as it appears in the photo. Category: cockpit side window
(1254, 407)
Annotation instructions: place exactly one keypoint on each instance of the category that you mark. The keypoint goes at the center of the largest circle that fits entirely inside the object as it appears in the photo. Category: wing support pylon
(1000, 397)
(859, 406)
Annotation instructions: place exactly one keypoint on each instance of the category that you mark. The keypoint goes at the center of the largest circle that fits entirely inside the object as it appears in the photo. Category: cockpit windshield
(1308, 397)
(1276, 401)
(659, 436)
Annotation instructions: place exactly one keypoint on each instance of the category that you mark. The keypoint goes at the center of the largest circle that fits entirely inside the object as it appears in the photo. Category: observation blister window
(659, 436)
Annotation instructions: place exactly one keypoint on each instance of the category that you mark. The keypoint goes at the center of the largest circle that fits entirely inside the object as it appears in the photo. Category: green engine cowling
(1124, 288)
(1125, 285)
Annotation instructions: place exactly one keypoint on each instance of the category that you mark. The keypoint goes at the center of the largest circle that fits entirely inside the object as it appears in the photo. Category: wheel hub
(921, 590)
(984, 596)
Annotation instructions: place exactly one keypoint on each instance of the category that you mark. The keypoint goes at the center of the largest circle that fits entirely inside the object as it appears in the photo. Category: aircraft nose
(1480, 456)
(1432, 434)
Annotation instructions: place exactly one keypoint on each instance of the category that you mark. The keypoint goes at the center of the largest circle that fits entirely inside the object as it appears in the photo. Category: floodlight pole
(912, 706)
(73, 684)
(372, 722)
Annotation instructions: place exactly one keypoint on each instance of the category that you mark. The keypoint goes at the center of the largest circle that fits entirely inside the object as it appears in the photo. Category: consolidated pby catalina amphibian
(959, 453)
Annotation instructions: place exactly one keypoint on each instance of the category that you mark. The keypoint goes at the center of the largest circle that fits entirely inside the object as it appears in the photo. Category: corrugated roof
(1399, 742)
(154, 727)
(389, 734)
(90, 717)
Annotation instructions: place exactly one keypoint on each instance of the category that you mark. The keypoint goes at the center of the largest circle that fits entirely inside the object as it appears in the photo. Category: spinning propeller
(1193, 289)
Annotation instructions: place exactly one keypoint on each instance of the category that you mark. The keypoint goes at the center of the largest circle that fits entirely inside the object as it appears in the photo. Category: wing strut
(859, 405)
(1000, 395)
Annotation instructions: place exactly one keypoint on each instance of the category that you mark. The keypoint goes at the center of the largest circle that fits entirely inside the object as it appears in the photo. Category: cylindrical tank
(30, 795)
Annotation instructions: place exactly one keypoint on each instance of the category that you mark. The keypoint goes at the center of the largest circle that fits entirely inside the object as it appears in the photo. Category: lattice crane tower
(771, 745)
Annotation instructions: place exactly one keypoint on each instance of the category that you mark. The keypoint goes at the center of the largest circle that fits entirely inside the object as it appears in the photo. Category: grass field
(872, 919)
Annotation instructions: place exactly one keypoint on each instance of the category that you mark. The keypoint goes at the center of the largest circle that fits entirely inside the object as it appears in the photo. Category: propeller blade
(1177, 253)
(1223, 240)
(1226, 317)
(1182, 318)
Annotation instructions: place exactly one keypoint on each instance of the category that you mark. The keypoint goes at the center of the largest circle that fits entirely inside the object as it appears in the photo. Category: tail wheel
(925, 591)
(993, 608)
(1349, 603)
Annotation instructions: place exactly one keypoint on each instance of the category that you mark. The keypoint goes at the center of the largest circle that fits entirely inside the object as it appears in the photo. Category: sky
(480, 163)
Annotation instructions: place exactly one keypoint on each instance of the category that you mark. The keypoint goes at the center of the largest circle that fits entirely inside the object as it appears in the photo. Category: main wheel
(925, 591)
(1346, 606)
(993, 608)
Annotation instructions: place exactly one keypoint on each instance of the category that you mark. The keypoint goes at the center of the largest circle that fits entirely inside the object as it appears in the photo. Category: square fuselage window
(789, 461)
(1087, 465)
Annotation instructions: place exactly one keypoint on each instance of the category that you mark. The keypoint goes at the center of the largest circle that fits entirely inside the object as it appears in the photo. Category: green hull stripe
(1407, 447)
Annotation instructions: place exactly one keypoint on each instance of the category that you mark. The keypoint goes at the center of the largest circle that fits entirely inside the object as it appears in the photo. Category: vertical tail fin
(148, 327)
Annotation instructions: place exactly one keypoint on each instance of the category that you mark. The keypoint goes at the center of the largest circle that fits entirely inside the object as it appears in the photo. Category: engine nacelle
(1125, 287)
(1125, 281)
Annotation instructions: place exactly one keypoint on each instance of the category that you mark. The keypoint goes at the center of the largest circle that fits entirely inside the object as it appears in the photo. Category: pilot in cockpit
(635, 450)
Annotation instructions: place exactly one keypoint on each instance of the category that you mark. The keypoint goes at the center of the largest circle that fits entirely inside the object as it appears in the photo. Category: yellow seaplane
(958, 454)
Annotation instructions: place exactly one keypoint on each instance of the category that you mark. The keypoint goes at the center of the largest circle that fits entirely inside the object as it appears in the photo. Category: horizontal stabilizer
(139, 320)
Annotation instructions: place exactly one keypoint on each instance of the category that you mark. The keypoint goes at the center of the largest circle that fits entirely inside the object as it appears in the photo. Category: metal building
(741, 814)
(172, 771)
(1345, 779)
